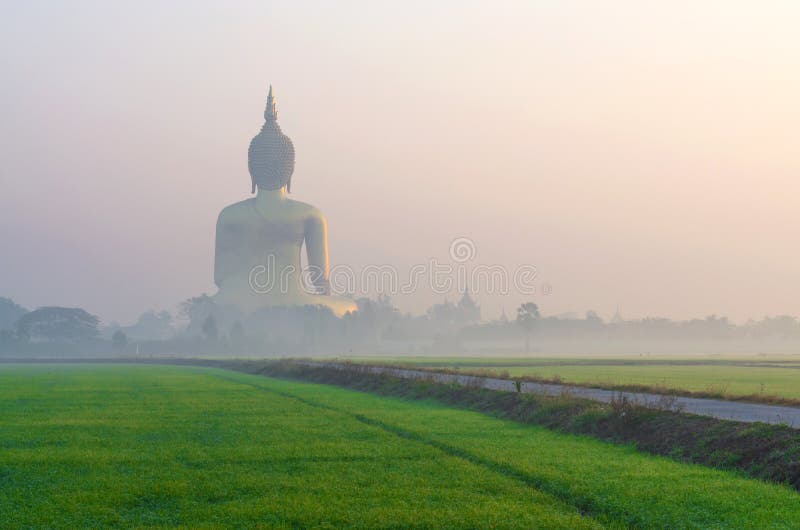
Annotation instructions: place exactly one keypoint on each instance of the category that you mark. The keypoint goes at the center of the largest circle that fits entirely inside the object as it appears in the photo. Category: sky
(640, 155)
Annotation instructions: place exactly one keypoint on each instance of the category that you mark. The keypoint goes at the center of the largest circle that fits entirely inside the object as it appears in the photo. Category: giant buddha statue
(259, 240)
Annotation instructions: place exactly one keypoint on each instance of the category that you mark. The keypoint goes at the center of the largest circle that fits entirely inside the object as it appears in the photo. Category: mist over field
(637, 155)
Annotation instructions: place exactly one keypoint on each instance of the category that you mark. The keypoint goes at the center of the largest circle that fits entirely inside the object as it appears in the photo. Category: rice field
(777, 376)
(159, 446)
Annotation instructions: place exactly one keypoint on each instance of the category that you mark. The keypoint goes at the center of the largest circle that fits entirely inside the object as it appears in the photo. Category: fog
(640, 155)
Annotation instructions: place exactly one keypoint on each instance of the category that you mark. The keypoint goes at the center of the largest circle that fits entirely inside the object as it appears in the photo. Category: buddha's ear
(253, 182)
(289, 185)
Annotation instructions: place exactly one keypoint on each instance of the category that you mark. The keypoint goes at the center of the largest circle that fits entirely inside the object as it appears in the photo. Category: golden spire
(270, 114)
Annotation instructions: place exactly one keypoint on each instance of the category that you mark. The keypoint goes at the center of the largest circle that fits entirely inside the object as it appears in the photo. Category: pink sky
(642, 155)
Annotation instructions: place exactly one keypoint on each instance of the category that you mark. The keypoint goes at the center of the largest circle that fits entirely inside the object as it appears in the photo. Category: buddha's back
(259, 240)
(250, 236)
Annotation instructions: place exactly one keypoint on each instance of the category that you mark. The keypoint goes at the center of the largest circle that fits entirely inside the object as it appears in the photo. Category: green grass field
(732, 375)
(93, 445)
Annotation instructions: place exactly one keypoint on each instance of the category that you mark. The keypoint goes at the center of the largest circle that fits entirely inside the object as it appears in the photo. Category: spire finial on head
(270, 158)
(270, 114)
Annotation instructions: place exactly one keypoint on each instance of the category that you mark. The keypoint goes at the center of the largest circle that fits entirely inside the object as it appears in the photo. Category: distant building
(503, 317)
(467, 309)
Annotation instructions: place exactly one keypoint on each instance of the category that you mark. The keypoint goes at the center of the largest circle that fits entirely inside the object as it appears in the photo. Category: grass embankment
(773, 382)
(767, 452)
(164, 446)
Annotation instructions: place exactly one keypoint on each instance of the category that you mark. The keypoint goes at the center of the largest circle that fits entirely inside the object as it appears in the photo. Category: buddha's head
(271, 154)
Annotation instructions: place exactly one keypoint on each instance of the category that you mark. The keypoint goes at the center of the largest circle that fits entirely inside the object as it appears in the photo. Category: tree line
(208, 328)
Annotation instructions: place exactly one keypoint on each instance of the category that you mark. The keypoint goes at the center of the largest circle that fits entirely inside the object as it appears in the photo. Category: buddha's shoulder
(237, 211)
(303, 209)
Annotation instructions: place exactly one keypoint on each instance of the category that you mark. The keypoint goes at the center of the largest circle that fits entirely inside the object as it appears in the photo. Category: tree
(10, 313)
(197, 310)
(119, 339)
(374, 316)
(67, 324)
(444, 313)
(210, 328)
(236, 334)
(527, 315)
(6, 336)
(152, 325)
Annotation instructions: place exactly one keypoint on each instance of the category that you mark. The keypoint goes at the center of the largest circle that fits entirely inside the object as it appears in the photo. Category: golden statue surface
(259, 240)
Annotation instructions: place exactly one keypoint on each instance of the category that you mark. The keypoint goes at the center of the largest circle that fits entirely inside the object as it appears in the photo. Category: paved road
(715, 408)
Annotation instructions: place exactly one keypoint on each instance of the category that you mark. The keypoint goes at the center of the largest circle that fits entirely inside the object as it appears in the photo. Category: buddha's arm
(316, 237)
(223, 262)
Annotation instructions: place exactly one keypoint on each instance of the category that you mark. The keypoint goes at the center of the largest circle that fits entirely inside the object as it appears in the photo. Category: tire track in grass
(585, 506)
